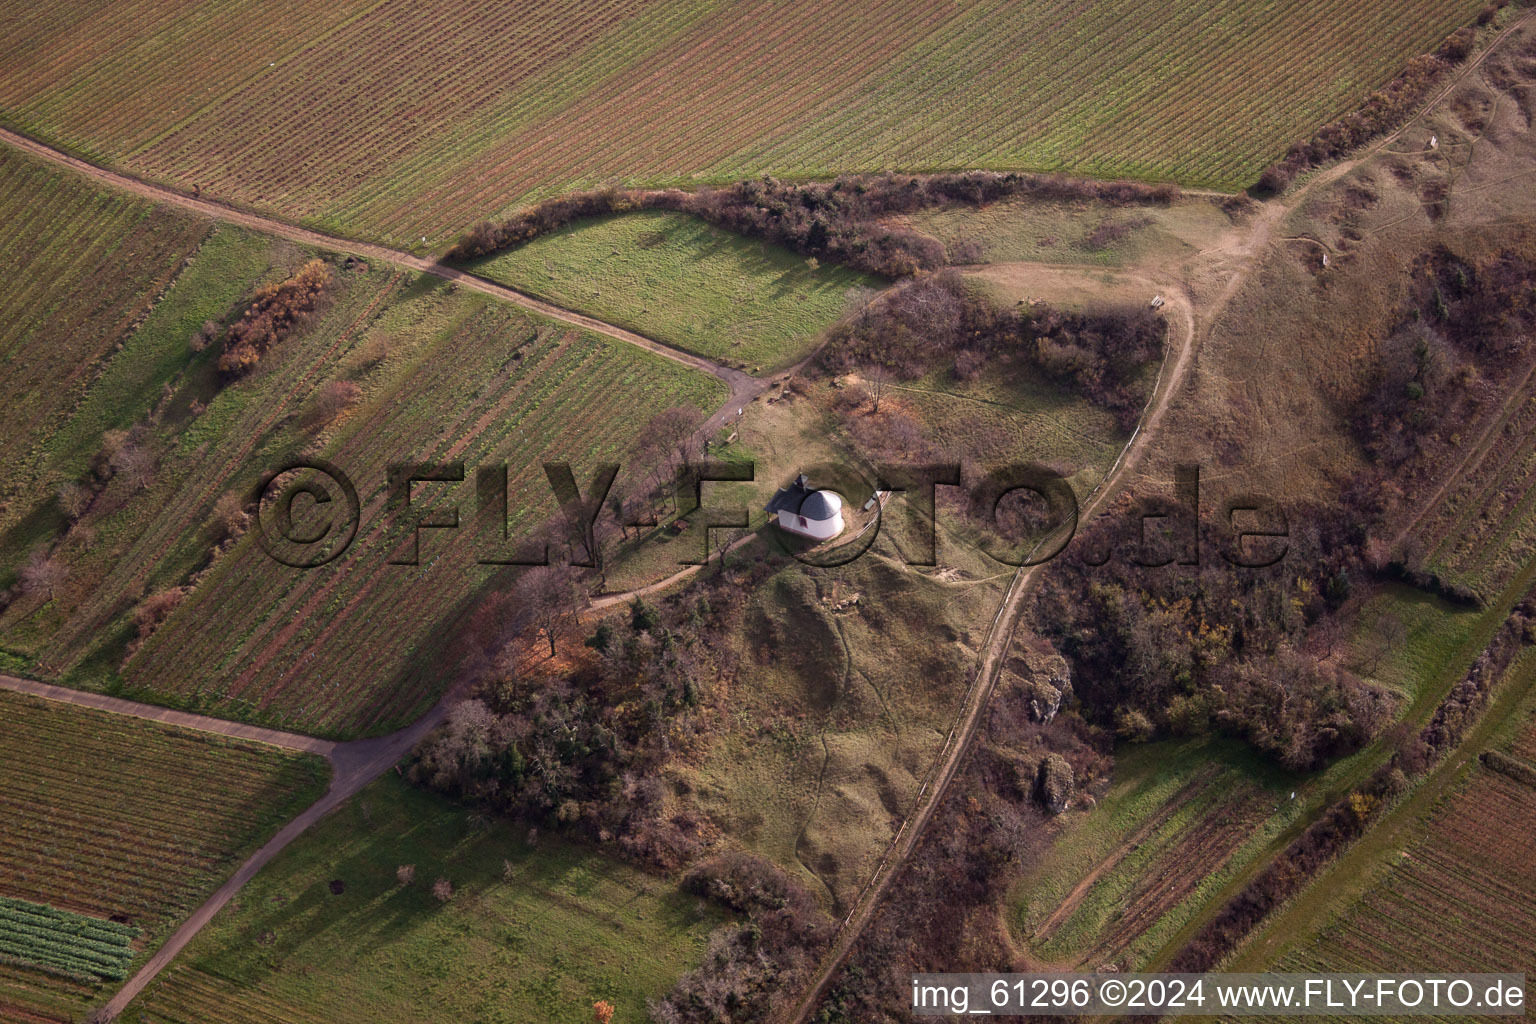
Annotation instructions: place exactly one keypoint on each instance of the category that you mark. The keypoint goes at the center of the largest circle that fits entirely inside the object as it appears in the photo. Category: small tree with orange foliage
(602, 1011)
(275, 312)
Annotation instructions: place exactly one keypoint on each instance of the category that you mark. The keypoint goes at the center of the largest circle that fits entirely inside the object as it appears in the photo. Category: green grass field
(399, 121)
(110, 815)
(533, 932)
(684, 282)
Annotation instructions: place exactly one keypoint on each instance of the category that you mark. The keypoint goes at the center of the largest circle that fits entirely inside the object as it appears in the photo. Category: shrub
(443, 890)
(923, 320)
(1513, 767)
(839, 220)
(43, 575)
(405, 874)
(1053, 783)
(1381, 112)
(334, 399)
(277, 310)
(155, 609)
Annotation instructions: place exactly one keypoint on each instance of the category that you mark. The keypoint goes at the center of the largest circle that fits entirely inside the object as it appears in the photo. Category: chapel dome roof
(821, 505)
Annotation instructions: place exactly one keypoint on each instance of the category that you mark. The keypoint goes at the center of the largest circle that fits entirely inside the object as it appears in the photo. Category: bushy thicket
(579, 744)
(939, 316)
(838, 220)
(1185, 650)
(277, 310)
(1382, 111)
(1466, 322)
(749, 969)
(1348, 819)
(579, 740)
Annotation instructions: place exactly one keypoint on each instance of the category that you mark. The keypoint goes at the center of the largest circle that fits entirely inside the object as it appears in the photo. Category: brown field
(398, 121)
(1460, 898)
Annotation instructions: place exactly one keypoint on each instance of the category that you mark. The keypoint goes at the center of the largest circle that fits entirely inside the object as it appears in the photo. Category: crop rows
(29, 995)
(1460, 899)
(1484, 530)
(331, 651)
(432, 76)
(159, 533)
(106, 815)
(397, 120)
(61, 941)
(110, 76)
(94, 263)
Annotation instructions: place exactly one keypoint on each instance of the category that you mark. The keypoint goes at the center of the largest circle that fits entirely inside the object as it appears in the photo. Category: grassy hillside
(533, 931)
(679, 280)
(115, 817)
(399, 121)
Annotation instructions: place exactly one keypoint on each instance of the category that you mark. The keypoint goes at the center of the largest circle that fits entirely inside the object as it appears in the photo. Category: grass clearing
(533, 932)
(1084, 232)
(839, 710)
(687, 283)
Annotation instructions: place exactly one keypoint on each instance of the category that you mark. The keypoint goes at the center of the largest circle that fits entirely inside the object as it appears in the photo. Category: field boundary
(743, 386)
(169, 716)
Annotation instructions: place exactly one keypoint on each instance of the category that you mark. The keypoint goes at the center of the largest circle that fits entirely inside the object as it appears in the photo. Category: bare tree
(43, 575)
(877, 381)
(74, 500)
(332, 400)
(550, 598)
(135, 464)
(443, 890)
(405, 874)
(673, 434)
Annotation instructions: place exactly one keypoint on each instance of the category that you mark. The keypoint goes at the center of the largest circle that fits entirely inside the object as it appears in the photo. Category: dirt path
(186, 720)
(999, 638)
(1245, 249)
(353, 766)
(744, 387)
